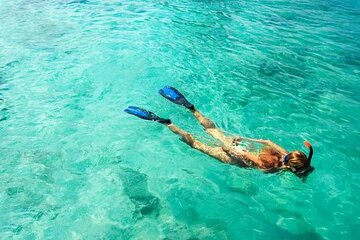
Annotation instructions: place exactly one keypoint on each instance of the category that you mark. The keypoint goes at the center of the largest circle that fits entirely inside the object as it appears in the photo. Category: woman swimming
(271, 157)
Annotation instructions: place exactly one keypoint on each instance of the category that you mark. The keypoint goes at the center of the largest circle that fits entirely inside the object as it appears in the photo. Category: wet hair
(299, 163)
(297, 160)
(264, 156)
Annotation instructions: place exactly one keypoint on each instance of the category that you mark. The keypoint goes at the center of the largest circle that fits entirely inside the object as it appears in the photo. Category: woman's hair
(271, 151)
(266, 153)
(297, 160)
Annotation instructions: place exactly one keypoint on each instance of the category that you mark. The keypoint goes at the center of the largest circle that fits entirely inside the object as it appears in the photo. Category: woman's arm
(255, 140)
(277, 147)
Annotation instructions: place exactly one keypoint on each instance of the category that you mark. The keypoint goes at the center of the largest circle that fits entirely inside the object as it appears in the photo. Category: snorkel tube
(308, 145)
(305, 171)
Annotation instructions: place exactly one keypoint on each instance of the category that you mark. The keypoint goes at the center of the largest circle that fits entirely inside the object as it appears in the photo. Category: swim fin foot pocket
(145, 114)
(176, 97)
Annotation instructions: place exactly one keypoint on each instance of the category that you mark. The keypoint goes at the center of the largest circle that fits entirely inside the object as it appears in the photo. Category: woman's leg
(211, 129)
(215, 152)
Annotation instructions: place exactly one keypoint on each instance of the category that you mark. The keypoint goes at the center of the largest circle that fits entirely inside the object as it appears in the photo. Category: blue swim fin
(175, 96)
(145, 114)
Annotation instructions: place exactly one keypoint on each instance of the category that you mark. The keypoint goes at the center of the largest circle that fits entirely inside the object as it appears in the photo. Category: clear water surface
(74, 166)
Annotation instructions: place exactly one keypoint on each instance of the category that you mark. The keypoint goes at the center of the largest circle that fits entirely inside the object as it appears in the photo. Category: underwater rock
(12, 191)
(79, 2)
(135, 187)
(352, 59)
(4, 114)
(268, 69)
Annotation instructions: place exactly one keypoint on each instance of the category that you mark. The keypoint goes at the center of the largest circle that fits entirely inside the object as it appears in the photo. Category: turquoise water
(74, 166)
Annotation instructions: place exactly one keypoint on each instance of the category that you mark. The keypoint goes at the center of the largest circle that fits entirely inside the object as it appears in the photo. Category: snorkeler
(271, 157)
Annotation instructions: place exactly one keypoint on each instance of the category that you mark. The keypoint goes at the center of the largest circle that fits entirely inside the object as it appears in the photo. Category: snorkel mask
(306, 170)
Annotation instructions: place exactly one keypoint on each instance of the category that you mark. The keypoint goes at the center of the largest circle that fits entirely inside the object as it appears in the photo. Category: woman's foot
(146, 115)
(176, 97)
